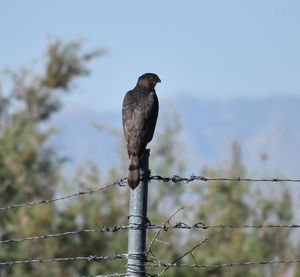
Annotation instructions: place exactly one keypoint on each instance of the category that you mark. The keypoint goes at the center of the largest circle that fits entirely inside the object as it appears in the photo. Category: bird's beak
(158, 81)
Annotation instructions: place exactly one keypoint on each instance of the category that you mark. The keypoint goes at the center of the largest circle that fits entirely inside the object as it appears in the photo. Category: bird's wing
(128, 113)
(150, 116)
(140, 111)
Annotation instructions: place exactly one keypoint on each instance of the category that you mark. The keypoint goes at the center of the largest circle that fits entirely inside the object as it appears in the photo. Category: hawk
(139, 114)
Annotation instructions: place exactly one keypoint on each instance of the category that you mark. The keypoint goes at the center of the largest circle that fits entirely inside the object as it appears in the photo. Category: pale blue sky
(211, 49)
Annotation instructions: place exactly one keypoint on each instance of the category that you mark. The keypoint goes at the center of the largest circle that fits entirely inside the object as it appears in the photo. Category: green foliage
(236, 203)
(29, 165)
(30, 168)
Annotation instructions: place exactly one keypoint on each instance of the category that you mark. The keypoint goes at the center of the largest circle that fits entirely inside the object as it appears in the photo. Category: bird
(139, 115)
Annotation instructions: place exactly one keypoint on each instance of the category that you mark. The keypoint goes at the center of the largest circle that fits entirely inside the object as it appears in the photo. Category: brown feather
(134, 172)
(139, 114)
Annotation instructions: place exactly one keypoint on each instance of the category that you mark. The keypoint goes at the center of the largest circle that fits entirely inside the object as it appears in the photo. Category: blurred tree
(239, 203)
(30, 168)
(166, 159)
(221, 202)
(29, 165)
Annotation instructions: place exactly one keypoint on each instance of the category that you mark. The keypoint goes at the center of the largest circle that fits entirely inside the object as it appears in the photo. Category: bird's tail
(134, 171)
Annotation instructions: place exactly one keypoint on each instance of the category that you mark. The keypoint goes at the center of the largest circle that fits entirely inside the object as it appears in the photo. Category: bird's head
(148, 80)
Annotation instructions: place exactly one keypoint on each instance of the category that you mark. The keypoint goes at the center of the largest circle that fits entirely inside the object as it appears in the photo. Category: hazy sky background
(208, 49)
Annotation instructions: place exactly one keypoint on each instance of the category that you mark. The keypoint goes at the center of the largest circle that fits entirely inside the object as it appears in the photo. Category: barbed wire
(167, 226)
(149, 226)
(201, 225)
(110, 275)
(149, 263)
(176, 179)
(121, 182)
(157, 263)
(90, 258)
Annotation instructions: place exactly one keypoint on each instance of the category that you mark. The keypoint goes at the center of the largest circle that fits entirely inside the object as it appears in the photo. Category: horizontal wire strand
(158, 263)
(64, 259)
(119, 182)
(123, 181)
(149, 263)
(166, 227)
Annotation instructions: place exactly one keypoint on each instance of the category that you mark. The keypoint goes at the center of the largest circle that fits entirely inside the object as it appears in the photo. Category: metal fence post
(137, 217)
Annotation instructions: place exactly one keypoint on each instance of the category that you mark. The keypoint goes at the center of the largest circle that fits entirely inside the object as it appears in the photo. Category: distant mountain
(263, 128)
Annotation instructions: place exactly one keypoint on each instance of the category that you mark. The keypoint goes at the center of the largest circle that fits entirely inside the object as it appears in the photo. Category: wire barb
(121, 182)
(165, 227)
